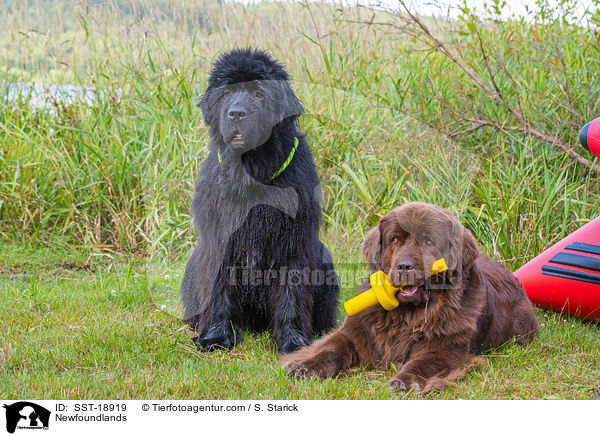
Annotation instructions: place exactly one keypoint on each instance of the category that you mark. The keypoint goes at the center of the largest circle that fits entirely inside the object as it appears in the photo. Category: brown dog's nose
(406, 265)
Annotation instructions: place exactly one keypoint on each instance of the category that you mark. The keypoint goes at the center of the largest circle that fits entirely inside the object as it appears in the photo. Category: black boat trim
(577, 260)
(583, 139)
(586, 248)
(570, 274)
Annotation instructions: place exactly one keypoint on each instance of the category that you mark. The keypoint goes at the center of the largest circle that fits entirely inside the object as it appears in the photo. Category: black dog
(259, 263)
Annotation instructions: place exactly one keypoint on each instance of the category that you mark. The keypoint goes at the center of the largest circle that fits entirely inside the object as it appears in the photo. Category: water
(48, 96)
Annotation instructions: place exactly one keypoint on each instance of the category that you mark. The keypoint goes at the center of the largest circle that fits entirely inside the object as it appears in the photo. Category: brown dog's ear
(470, 251)
(371, 249)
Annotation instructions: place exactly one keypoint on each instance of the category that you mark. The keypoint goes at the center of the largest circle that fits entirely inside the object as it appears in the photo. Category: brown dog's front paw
(297, 370)
(397, 385)
(301, 370)
(405, 382)
(308, 368)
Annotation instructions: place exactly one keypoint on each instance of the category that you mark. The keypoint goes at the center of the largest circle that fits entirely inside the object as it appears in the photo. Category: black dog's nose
(237, 112)
(406, 265)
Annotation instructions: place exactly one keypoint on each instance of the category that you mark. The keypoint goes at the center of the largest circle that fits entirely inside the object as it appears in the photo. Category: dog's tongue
(409, 290)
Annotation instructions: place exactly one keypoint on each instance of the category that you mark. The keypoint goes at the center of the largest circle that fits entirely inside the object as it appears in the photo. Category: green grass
(94, 201)
(88, 328)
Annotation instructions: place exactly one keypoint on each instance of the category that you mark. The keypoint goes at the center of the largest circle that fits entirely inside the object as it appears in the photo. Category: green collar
(287, 161)
(285, 164)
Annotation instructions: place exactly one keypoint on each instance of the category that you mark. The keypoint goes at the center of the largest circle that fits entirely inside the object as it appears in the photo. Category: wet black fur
(247, 221)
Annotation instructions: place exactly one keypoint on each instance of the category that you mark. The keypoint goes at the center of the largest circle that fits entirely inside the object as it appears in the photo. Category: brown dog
(441, 321)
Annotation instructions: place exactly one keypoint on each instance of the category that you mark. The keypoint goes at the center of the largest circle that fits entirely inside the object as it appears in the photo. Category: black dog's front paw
(213, 343)
(292, 342)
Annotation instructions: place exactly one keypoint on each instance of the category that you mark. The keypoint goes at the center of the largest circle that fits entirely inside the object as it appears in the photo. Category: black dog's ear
(207, 106)
(290, 104)
(371, 249)
(470, 250)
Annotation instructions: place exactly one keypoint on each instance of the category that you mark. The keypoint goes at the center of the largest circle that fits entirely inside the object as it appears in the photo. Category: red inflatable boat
(566, 277)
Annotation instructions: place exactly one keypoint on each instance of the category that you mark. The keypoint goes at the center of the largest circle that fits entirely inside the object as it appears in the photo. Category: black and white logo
(26, 415)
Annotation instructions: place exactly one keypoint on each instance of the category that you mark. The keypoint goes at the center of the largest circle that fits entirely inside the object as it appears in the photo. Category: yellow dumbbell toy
(383, 292)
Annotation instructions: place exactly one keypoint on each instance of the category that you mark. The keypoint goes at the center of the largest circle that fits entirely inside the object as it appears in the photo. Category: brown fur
(433, 335)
